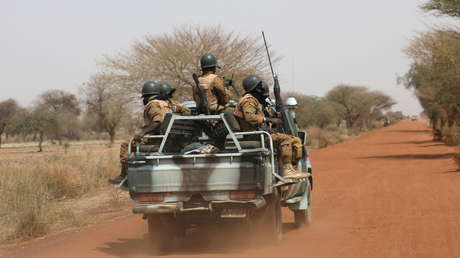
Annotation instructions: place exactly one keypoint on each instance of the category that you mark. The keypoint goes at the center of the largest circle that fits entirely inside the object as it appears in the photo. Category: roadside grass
(323, 137)
(451, 136)
(457, 158)
(34, 186)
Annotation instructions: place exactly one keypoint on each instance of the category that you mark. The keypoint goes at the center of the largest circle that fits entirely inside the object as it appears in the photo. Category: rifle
(229, 83)
(287, 127)
(203, 108)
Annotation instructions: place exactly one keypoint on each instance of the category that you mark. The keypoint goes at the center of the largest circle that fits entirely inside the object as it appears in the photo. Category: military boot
(123, 173)
(290, 173)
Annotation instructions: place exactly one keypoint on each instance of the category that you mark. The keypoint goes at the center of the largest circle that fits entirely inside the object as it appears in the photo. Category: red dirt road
(391, 193)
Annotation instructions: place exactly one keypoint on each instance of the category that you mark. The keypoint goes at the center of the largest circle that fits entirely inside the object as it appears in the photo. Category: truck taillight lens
(236, 195)
(149, 197)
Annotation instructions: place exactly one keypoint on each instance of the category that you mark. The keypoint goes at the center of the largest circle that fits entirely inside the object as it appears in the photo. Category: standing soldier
(250, 114)
(215, 92)
(157, 103)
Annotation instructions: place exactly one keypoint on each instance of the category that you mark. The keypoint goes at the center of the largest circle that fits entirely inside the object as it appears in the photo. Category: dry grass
(457, 159)
(34, 186)
(321, 138)
(451, 136)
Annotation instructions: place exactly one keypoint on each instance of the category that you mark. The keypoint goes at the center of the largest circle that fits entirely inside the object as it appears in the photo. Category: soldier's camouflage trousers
(297, 150)
(124, 151)
(289, 148)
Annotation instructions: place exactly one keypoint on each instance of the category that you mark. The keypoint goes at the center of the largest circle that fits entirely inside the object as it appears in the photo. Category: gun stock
(203, 107)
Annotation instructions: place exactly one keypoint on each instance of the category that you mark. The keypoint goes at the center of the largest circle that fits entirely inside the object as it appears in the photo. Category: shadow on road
(410, 142)
(411, 156)
(410, 131)
(202, 242)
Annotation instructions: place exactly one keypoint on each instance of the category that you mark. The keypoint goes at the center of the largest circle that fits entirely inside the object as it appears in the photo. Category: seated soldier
(250, 114)
(157, 103)
(215, 92)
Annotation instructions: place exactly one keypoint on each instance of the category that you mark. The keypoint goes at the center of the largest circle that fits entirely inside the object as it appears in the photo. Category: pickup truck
(240, 183)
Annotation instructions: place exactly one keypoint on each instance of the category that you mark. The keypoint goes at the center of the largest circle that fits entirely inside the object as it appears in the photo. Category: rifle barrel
(268, 54)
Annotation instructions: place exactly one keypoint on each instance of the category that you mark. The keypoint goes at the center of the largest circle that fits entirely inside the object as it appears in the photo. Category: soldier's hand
(137, 138)
(228, 82)
(274, 121)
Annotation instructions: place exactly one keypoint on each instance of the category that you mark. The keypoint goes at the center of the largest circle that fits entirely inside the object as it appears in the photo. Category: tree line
(109, 100)
(434, 74)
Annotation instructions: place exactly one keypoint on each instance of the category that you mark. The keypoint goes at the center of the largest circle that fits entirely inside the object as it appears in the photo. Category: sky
(51, 44)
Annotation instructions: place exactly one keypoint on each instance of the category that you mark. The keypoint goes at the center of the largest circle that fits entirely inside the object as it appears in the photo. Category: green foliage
(443, 7)
(314, 111)
(394, 116)
(434, 75)
(357, 105)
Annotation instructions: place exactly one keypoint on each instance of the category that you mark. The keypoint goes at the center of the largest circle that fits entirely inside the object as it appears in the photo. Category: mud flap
(303, 204)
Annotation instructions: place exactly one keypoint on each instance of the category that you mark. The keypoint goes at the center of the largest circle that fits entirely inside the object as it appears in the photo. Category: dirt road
(391, 193)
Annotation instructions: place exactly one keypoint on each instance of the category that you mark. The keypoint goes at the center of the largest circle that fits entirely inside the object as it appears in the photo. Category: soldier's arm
(156, 115)
(150, 128)
(155, 112)
(251, 115)
(222, 94)
(181, 109)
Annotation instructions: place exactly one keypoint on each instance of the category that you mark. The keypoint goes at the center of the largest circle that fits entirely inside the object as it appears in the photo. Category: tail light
(237, 195)
(149, 197)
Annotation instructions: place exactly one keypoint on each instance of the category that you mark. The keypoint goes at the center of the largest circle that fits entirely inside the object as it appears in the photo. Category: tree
(313, 111)
(174, 57)
(434, 75)
(37, 121)
(106, 104)
(7, 110)
(443, 7)
(357, 103)
(65, 108)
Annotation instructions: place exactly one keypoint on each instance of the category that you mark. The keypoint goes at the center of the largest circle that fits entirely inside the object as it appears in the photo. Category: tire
(162, 232)
(272, 219)
(304, 217)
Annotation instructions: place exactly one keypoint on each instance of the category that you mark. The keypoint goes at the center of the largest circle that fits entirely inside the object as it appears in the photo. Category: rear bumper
(178, 207)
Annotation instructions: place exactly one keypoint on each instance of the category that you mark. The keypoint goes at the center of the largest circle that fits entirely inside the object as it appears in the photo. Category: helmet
(166, 90)
(251, 82)
(208, 61)
(150, 88)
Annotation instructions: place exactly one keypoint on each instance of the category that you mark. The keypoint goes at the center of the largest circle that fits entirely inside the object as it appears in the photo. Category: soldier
(250, 114)
(157, 103)
(215, 92)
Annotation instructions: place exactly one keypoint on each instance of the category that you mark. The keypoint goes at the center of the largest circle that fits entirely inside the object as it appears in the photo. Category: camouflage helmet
(208, 61)
(251, 82)
(151, 88)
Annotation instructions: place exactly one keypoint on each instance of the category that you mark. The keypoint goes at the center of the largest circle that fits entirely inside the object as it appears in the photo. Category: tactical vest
(206, 85)
(239, 112)
(164, 108)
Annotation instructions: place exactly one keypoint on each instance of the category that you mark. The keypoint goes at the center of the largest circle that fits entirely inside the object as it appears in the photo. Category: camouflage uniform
(155, 111)
(214, 90)
(250, 114)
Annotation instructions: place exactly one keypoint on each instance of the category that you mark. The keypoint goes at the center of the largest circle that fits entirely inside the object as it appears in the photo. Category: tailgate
(198, 173)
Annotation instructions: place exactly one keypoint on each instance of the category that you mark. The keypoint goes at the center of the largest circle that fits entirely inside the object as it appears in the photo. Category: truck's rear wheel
(273, 223)
(162, 231)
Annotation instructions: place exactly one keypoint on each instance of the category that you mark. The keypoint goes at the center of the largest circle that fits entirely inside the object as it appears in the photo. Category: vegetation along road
(390, 193)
